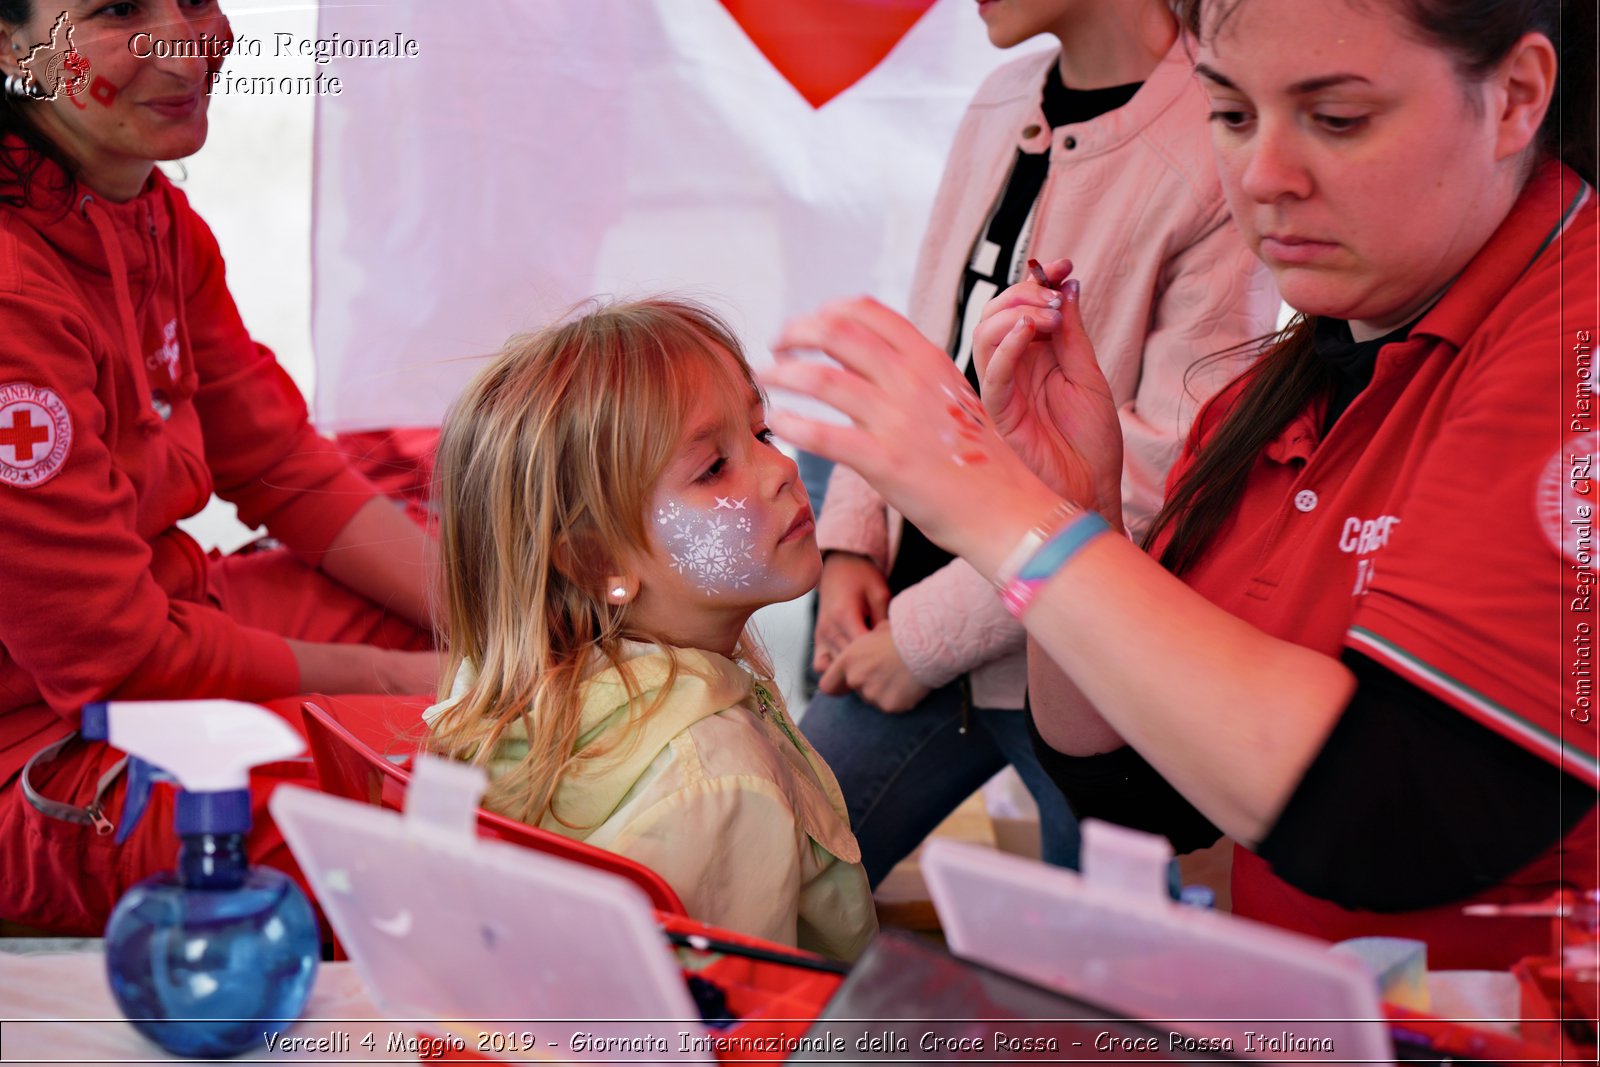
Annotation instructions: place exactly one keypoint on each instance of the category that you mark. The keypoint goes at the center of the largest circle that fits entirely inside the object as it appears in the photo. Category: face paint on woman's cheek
(715, 548)
(102, 90)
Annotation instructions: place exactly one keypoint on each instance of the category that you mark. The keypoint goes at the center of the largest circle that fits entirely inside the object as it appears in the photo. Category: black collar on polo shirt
(1352, 361)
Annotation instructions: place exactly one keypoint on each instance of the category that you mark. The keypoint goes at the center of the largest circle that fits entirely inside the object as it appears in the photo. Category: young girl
(612, 511)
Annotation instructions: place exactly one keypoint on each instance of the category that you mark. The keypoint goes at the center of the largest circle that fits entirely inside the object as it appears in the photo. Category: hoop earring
(23, 87)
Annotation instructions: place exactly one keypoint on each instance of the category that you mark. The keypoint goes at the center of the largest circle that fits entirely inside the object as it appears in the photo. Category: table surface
(57, 1008)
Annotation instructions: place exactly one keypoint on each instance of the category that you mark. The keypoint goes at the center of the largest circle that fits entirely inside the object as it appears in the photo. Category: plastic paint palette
(444, 926)
(1113, 937)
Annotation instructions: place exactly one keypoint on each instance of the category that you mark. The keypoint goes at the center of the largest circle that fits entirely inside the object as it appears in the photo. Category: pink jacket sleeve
(1213, 298)
(854, 518)
(950, 623)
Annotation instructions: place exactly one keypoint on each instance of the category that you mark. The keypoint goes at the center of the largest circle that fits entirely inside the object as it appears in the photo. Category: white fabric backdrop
(539, 151)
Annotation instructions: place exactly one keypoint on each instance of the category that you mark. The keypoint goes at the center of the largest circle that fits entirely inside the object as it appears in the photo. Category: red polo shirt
(1444, 528)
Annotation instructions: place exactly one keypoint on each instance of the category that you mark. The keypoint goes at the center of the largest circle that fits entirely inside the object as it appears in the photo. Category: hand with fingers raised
(918, 432)
(1045, 391)
(873, 668)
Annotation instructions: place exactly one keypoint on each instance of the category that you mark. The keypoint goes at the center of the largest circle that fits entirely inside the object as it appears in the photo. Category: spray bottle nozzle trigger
(205, 747)
(141, 776)
(92, 724)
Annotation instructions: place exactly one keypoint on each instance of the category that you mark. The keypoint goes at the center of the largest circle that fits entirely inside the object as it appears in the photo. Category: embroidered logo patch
(1567, 500)
(35, 435)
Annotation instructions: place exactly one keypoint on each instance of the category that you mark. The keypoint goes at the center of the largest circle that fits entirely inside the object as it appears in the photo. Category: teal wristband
(1051, 557)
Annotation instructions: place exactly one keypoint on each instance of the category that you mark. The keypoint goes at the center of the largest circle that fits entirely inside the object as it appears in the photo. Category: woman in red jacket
(129, 392)
(1362, 641)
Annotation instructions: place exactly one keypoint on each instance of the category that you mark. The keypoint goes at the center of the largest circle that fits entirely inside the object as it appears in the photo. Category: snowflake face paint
(714, 548)
(728, 527)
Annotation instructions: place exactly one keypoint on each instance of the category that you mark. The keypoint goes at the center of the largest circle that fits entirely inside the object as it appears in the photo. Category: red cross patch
(35, 435)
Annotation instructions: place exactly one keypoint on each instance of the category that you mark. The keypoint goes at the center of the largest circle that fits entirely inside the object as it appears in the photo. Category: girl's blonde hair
(546, 466)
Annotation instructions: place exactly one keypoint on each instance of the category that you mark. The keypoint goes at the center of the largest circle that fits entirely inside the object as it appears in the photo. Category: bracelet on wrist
(1047, 561)
(1030, 542)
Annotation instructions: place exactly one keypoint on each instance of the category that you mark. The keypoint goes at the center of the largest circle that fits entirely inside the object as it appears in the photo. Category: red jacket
(1444, 529)
(129, 391)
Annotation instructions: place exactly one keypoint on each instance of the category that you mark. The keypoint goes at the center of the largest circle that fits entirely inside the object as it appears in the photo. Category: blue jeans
(903, 774)
(814, 474)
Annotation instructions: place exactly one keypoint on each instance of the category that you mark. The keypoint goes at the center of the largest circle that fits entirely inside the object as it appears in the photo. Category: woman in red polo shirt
(129, 390)
(1361, 642)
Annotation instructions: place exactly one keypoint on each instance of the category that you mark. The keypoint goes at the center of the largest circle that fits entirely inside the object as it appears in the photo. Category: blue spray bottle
(212, 958)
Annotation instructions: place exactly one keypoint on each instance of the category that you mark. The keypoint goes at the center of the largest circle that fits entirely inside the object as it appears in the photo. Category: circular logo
(1566, 499)
(67, 73)
(35, 435)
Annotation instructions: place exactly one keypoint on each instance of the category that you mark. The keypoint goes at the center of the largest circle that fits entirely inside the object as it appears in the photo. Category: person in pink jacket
(1098, 151)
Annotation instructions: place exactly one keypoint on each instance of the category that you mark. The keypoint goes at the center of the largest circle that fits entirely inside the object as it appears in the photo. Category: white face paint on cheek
(715, 548)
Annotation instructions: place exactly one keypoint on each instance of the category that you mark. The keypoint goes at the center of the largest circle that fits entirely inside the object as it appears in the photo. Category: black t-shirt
(1353, 361)
(997, 261)
(1477, 806)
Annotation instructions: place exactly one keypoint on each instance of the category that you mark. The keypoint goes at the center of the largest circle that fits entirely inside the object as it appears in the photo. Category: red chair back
(348, 767)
